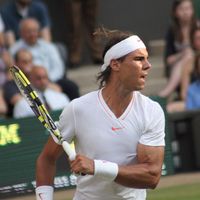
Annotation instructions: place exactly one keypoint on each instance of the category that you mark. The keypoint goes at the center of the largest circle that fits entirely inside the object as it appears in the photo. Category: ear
(115, 65)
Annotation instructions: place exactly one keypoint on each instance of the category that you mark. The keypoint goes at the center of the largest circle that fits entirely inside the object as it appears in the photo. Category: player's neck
(116, 100)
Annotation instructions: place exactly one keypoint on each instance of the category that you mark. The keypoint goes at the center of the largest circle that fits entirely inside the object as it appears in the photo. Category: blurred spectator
(44, 54)
(52, 99)
(15, 10)
(83, 19)
(175, 106)
(5, 58)
(178, 53)
(2, 64)
(193, 94)
(188, 75)
(3, 105)
(3, 72)
(2, 28)
(5, 61)
(23, 59)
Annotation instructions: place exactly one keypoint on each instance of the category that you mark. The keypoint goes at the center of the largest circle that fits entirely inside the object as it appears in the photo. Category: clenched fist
(82, 165)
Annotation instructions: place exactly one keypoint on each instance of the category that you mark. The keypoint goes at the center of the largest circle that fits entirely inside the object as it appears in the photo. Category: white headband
(121, 49)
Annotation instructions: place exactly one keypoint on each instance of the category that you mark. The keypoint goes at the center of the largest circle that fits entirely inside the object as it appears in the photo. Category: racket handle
(69, 151)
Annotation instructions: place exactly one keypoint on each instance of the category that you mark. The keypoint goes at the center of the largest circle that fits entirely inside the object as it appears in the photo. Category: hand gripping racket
(39, 109)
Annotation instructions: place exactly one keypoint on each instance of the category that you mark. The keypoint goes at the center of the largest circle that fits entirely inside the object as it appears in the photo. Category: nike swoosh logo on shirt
(117, 128)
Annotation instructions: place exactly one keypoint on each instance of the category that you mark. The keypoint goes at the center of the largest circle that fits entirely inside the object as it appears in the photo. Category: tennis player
(118, 132)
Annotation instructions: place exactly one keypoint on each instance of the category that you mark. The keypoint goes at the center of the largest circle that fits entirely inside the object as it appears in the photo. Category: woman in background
(178, 52)
(188, 74)
(193, 94)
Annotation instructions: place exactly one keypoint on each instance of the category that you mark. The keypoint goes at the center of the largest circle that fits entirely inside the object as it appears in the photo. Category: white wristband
(105, 169)
(44, 192)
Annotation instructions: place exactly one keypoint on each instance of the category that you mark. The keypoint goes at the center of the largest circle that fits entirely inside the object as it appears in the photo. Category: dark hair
(112, 37)
(175, 23)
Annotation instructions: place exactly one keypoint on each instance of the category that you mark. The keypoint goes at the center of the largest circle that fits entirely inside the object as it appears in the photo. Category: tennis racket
(39, 109)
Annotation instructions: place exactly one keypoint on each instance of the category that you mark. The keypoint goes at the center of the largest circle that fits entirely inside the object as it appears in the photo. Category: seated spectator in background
(23, 59)
(3, 72)
(5, 58)
(15, 10)
(188, 74)
(2, 65)
(193, 93)
(2, 28)
(3, 105)
(178, 52)
(5, 61)
(52, 99)
(44, 54)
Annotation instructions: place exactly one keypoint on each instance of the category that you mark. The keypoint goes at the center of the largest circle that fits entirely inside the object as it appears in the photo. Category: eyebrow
(143, 56)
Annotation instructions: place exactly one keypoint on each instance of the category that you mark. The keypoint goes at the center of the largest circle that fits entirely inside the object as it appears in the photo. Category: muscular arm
(46, 163)
(147, 172)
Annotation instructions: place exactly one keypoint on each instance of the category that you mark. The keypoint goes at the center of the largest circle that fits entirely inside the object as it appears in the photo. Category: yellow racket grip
(69, 151)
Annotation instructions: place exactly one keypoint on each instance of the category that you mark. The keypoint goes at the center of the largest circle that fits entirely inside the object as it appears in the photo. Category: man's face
(39, 79)
(185, 11)
(24, 61)
(133, 70)
(30, 32)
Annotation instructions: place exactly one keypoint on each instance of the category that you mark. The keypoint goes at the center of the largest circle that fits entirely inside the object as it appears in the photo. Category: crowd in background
(182, 47)
(26, 40)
